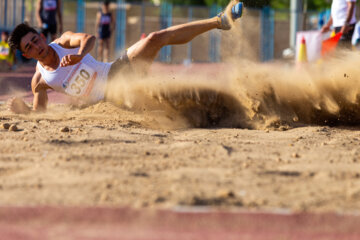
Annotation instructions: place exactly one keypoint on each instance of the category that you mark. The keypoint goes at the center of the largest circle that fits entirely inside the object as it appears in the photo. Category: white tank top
(339, 10)
(86, 79)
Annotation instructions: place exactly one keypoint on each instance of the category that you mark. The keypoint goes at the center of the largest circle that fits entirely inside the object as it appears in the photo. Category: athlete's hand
(17, 105)
(70, 59)
(345, 29)
(325, 29)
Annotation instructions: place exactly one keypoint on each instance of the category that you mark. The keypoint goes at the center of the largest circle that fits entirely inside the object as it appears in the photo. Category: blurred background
(266, 29)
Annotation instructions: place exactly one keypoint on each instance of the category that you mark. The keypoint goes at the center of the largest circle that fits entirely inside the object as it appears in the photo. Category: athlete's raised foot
(232, 12)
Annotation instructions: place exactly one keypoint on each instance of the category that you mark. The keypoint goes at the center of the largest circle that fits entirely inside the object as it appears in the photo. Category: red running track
(48, 223)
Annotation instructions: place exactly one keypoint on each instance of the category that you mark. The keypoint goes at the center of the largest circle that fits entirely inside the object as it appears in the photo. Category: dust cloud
(249, 95)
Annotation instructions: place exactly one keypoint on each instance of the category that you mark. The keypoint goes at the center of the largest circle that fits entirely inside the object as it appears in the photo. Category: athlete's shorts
(50, 28)
(119, 66)
(122, 64)
(104, 34)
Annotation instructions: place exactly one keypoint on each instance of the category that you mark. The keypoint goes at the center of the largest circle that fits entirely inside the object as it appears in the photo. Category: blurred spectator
(104, 26)
(7, 55)
(343, 20)
(46, 17)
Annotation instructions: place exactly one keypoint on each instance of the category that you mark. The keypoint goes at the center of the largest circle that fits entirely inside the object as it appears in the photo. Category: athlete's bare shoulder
(65, 39)
(74, 40)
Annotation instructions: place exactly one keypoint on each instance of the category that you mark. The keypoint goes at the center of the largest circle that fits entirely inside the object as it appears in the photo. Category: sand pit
(110, 157)
(265, 137)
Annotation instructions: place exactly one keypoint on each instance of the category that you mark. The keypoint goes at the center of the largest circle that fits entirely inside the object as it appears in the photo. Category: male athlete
(46, 12)
(104, 26)
(67, 67)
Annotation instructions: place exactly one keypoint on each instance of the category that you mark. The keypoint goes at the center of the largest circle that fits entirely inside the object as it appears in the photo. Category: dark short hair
(5, 32)
(106, 2)
(18, 33)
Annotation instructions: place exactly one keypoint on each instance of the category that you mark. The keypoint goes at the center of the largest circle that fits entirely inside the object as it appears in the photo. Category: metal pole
(166, 21)
(267, 34)
(142, 27)
(120, 31)
(162, 26)
(80, 16)
(211, 45)
(1, 14)
(14, 13)
(218, 40)
(189, 48)
(214, 45)
(32, 13)
(169, 23)
(295, 9)
(304, 15)
(23, 11)
(5, 13)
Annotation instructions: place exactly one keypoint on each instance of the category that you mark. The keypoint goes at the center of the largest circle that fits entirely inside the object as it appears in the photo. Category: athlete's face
(34, 46)
(4, 37)
(105, 8)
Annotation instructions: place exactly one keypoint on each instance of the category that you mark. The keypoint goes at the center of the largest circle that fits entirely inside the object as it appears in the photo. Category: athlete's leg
(106, 49)
(100, 50)
(144, 51)
(52, 30)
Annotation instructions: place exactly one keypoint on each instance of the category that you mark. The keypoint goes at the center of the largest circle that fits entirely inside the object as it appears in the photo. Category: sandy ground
(260, 137)
(113, 157)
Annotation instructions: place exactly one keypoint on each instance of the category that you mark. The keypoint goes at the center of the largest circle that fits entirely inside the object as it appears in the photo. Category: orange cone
(329, 45)
(302, 55)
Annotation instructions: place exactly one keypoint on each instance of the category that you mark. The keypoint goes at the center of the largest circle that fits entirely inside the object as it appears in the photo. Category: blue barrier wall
(80, 20)
(166, 21)
(189, 45)
(12, 13)
(267, 34)
(120, 32)
(215, 37)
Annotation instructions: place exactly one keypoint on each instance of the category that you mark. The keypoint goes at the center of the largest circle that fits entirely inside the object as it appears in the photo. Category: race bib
(80, 81)
(105, 20)
(49, 5)
(4, 51)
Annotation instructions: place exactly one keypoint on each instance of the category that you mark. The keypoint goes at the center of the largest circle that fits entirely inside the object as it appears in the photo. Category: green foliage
(319, 4)
(280, 4)
(219, 2)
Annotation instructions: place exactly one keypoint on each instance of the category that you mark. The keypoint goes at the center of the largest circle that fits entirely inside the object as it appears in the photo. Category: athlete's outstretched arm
(85, 43)
(39, 87)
